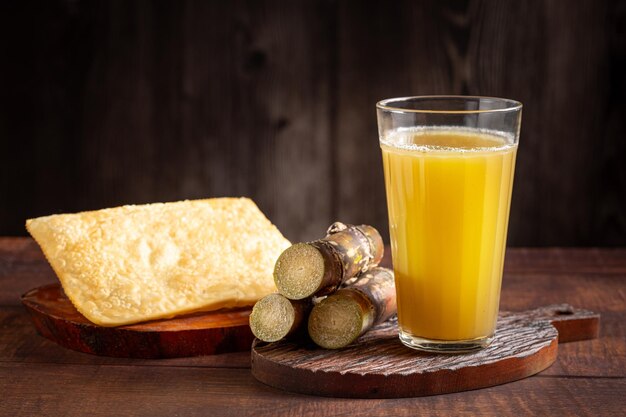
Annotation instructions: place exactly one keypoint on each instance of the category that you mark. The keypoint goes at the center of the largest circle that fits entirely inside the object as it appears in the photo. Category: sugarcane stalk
(342, 317)
(275, 317)
(320, 267)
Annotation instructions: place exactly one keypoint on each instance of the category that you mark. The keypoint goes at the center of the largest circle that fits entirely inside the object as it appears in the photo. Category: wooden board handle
(572, 323)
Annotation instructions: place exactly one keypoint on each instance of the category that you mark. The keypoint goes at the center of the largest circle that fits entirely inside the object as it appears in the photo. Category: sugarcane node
(378, 287)
(375, 244)
(334, 274)
(275, 317)
(359, 248)
(336, 228)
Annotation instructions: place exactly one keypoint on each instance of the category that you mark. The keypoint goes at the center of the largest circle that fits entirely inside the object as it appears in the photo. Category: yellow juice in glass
(448, 195)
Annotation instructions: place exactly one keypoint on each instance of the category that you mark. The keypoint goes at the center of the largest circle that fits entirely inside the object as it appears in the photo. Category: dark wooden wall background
(114, 102)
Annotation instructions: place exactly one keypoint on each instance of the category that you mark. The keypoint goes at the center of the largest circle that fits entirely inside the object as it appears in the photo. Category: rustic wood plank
(503, 39)
(498, 49)
(566, 260)
(166, 101)
(156, 391)
(372, 38)
(605, 356)
(22, 267)
(19, 342)
(198, 388)
(118, 102)
(22, 264)
(254, 115)
(41, 106)
(597, 292)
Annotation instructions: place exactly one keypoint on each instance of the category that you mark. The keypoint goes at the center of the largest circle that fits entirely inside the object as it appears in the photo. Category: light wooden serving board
(203, 333)
(379, 366)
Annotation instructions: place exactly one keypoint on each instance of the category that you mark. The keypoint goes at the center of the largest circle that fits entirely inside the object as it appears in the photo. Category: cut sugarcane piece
(320, 267)
(342, 317)
(304, 268)
(275, 317)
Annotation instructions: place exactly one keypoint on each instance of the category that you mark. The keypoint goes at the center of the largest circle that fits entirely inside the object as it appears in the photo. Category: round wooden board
(379, 366)
(202, 333)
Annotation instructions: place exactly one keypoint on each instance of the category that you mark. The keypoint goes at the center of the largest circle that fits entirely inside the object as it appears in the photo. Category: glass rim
(386, 104)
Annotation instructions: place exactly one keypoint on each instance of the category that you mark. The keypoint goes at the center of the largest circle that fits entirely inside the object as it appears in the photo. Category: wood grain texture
(166, 101)
(377, 365)
(159, 391)
(587, 379)
(20, 342)
(195, 334)
(113, 102)
(534, 52)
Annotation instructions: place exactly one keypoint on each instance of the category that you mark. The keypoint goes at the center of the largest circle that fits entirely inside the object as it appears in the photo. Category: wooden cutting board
(204, 333)
(379, 366)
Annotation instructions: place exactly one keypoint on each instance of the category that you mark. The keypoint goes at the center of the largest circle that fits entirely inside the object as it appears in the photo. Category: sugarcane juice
(448, 193)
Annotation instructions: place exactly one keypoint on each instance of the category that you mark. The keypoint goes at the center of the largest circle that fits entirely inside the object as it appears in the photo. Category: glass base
(444, 346)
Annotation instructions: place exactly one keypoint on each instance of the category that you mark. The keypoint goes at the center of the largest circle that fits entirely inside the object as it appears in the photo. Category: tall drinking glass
(449, 163)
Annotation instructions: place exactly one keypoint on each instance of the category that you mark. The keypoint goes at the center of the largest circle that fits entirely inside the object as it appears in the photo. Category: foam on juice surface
(446, 139)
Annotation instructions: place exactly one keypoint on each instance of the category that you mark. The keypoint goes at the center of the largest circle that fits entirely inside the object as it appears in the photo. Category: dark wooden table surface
(38, 377)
